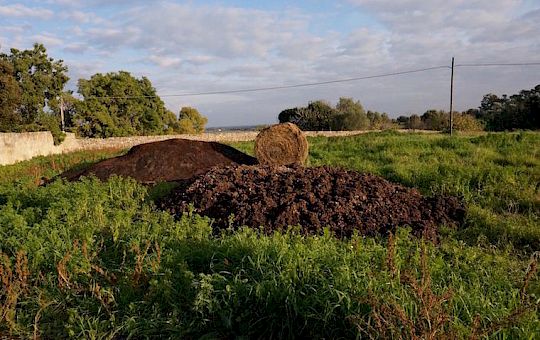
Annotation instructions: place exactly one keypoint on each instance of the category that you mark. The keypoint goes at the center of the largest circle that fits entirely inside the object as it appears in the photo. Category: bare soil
(274, 197)
(165, 161)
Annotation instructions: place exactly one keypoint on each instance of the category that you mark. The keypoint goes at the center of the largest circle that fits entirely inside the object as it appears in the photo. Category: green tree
(350, 115)
(118, 104)
(10, 98)
(41, 79)
(379, 121)
(519, 111)
(318, 116)
(290, 115)
(436, 120)
(191, 121)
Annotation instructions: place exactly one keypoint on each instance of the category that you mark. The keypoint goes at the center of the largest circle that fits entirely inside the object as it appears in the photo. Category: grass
(98, 260)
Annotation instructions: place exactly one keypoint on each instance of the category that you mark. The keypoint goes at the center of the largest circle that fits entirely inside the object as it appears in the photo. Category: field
(99, 260)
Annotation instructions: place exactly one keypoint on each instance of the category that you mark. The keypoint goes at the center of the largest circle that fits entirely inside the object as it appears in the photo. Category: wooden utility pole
(452, 98)
(62, 113)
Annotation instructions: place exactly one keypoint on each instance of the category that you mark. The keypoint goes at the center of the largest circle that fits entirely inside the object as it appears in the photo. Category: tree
(437, 120)
(519, 111)
(318, 115)
(379, 121)
(191, 121)
(415, 122)
(290, 115)
(117, 104)
(10, 98)
(402, 121)
(41, 79)
(350, 115)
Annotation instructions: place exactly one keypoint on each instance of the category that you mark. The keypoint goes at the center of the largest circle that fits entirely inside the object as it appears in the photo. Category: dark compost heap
(165, 161)
(274, 197)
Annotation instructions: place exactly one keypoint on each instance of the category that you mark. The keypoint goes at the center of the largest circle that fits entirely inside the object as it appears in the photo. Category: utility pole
(452, 98)
(62, 113)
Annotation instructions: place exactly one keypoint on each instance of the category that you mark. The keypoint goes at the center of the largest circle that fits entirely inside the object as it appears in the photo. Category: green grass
(98, 260)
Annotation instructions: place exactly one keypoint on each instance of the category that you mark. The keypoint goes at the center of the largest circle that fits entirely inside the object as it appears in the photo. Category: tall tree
(118, 104)
(519, 111)
(435, 120)
(10, 98)
(40, 78)
(318, 116)
(350, 115)
(191, 121)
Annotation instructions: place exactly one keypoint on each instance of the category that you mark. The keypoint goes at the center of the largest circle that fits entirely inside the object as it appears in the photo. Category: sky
(187, 47)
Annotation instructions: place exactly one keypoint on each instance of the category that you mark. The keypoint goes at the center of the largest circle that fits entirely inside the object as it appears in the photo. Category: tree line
(113, 104)
(519, 111)
(347, 114)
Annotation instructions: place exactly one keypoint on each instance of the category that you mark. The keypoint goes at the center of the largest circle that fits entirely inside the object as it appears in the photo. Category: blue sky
(200, 46)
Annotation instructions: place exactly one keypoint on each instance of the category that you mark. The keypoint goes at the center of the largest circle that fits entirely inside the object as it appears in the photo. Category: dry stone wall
(16, 147)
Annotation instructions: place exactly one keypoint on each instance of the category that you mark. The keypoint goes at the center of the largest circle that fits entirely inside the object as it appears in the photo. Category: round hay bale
(281, 144)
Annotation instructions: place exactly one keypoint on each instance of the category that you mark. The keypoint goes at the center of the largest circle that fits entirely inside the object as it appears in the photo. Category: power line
(279, 87)
(269, 88)
(309, 84)
(498, 64)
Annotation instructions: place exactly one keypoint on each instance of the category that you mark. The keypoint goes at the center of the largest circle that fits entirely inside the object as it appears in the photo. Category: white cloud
(76, 48)
(22, 11)
(81, 17)
(47, 39)
(165, 61)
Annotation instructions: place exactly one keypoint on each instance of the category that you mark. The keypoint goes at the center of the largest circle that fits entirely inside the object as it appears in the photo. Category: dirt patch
(169, 160)
(274, 197)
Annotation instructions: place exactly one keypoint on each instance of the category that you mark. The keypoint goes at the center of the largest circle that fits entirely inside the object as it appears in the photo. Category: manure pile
(165, 161)
(274, 197)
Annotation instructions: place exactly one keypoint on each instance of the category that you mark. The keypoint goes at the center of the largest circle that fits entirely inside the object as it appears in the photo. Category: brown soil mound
(281, 144)
(169, 160)
(276, 196)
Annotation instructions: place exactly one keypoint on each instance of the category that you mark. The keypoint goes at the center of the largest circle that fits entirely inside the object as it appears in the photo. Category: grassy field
(98, 260)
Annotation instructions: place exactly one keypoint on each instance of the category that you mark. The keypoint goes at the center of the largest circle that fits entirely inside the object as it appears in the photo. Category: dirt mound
(281, 144)
(169, 160)
(276, 196)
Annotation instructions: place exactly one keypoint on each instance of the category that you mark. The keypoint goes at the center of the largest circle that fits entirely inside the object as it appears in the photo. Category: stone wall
(16, 147)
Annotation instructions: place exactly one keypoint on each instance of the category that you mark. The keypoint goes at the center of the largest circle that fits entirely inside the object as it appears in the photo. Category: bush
(466, 122)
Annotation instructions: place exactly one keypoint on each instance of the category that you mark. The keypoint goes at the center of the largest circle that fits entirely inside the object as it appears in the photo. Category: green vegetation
(106, 111)
(191, 121)
(439, 120)
(347, 115)
(113, 104)
(519, 111)
(31, 84)
(98, 260)
(117, 104)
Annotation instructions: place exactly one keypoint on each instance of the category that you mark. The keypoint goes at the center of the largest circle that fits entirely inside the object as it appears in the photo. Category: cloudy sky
(202, 46)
